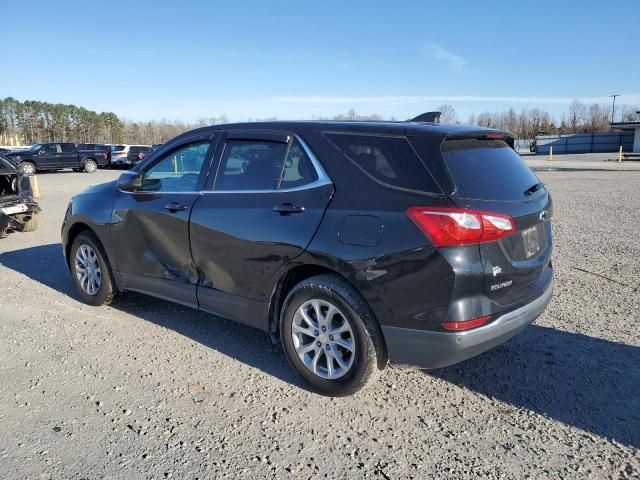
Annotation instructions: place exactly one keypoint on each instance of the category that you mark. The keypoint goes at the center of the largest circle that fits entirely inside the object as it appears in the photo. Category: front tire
(330, 336)
(90, 166)
(28, 168)
(91, 271)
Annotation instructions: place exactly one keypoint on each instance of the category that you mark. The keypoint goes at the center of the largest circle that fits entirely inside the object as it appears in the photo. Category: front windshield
(34, 147)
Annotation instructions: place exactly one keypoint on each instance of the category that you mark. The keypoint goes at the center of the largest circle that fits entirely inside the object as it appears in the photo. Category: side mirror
(41, 151)
(130, 181)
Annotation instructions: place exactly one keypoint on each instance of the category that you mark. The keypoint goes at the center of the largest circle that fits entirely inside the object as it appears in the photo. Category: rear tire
(90, 166)
(339, 351)
(28, 168)
(91, 271)
(32, 224)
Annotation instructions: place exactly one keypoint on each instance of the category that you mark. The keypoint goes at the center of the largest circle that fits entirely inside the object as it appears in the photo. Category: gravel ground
(148, 389)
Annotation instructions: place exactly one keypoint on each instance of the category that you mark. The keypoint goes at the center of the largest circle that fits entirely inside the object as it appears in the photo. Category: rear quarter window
(386, 159)
(487, 169)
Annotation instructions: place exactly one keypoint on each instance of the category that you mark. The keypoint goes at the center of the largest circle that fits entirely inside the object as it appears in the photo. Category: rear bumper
(120, 161)
(429, 349)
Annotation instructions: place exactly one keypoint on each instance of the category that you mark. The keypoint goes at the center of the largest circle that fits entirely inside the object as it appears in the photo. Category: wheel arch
(76, 229)
(301, 272)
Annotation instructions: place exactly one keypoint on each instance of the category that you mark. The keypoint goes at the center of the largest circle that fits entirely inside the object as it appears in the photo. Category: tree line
(23, 123)
(526, 124)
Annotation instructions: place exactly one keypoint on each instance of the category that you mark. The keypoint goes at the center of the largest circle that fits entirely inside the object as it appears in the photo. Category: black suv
(351, 243)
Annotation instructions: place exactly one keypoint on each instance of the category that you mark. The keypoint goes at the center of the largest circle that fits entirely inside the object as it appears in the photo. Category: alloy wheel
(323, 339)
(88, 270)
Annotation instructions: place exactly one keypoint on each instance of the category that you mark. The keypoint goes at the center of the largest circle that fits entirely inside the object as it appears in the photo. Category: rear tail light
(457, 226)
(140, 156)
(466, 325)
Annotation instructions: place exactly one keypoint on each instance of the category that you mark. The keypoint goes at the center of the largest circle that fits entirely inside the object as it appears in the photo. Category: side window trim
(322, 180)
(284, 163)
(264, 135)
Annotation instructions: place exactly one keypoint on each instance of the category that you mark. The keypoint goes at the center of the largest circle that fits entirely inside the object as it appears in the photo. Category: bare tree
(511, 121)
(577, 116)
(447, 113)
(598, 118)
(628, 113)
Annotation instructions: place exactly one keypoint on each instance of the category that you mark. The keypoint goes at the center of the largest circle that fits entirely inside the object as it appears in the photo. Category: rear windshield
(117, 148)
(487, 169)
(388, 160)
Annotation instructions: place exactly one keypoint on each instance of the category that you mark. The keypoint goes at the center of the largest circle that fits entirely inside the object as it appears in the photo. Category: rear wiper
(534, 188)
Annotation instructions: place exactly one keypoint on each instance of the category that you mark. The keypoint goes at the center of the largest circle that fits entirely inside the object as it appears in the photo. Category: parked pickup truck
(56, 156)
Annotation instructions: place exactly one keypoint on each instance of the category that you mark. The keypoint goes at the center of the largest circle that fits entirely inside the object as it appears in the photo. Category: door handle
(175, 207)
(288, 208)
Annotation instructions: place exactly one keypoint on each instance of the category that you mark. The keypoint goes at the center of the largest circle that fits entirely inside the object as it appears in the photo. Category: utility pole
(613, 109)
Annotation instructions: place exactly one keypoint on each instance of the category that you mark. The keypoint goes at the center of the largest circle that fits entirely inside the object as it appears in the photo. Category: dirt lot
(147, 389)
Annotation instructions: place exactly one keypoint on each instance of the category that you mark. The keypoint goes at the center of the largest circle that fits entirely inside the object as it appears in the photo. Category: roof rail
(427, 117)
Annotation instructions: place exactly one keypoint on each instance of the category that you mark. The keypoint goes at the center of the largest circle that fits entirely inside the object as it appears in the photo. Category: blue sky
(248, 59)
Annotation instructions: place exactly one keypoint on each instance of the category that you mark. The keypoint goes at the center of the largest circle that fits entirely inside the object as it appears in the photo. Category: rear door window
(387, 160)
(487, 169)
(250, 165)
(67, 148)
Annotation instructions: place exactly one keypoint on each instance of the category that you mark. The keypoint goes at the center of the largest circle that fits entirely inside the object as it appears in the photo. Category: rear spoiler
(427, 117)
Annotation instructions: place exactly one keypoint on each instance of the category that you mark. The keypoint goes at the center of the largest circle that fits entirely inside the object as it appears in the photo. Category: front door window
(178, 171)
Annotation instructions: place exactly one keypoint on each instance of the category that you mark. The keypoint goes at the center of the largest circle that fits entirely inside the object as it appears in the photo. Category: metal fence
(584, 143)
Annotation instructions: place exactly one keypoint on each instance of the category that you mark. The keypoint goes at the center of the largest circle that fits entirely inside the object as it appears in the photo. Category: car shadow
(45, 264)
(586, 382)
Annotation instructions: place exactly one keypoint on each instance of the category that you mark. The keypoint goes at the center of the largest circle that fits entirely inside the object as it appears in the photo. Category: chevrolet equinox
(351, 243)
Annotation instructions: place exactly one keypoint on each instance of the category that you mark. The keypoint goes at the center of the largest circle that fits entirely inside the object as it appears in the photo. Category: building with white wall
(633, 127)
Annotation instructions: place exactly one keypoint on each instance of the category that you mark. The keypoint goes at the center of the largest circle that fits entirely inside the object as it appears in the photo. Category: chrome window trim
(323, 179)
